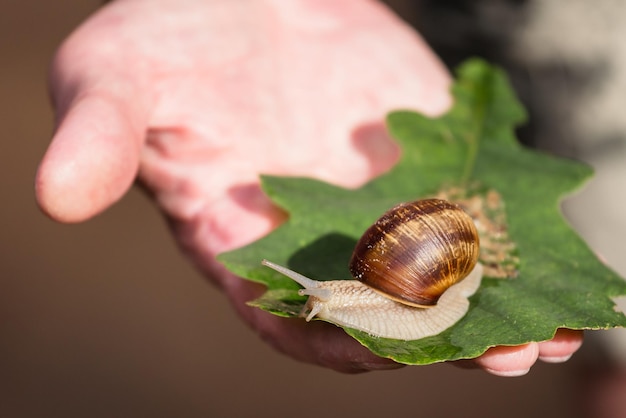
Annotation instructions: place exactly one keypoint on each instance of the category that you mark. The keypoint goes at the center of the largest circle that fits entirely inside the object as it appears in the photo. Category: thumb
(94, 155)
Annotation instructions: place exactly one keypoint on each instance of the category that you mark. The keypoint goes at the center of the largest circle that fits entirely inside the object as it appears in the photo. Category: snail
(415, 269)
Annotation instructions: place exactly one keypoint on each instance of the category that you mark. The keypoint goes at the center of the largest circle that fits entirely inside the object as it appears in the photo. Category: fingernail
(508, 373)
(555, 359)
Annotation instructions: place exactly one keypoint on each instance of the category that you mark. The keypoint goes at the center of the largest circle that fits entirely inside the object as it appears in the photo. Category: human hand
(196, 98)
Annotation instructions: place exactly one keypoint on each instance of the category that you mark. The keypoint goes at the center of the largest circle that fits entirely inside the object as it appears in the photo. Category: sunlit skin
(196, 98)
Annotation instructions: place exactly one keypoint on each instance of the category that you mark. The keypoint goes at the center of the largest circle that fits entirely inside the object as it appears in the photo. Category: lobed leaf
(560, 282)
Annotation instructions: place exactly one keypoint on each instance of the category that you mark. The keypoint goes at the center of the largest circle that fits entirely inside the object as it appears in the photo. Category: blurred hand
(196, 98)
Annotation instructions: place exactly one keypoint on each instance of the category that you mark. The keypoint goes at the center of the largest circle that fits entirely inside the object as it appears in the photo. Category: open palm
(196, 98)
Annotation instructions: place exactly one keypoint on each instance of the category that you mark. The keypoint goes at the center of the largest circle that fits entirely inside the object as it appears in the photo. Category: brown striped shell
(416, 251)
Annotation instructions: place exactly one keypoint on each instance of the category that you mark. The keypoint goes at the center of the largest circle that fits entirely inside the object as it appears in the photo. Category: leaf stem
(470, 161)
(478, 115)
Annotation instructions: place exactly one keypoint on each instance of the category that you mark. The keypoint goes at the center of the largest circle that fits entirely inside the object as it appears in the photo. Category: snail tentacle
(311, 288)
(296, 277)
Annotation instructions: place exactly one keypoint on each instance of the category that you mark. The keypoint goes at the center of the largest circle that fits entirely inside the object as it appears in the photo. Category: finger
(94, 155)
(101, 118)
(91, 161)
(559, 349)
(509, 361)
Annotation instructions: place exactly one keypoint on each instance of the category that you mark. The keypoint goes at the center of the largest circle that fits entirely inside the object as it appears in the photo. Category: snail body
(415, 268)
(353, 304)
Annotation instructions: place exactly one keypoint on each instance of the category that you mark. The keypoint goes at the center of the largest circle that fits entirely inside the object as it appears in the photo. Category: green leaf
(560, 283)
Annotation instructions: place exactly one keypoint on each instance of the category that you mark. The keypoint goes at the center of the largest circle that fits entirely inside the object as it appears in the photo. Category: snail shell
(415, 269)
(416, 251)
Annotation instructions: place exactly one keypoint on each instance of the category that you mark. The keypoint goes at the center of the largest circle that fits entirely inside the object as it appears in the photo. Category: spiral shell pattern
(416, 251)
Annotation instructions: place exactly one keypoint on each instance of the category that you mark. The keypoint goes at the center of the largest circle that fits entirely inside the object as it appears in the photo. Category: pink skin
(196, 98)
(498, 360)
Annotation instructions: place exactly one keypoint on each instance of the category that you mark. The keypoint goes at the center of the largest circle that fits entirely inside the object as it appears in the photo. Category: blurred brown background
(106, 319)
